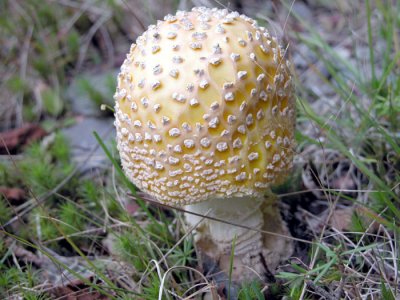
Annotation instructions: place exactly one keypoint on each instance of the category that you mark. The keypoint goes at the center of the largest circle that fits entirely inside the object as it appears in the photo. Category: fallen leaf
(77, 291)
(15, 139)
(14, 195)
(341, 219)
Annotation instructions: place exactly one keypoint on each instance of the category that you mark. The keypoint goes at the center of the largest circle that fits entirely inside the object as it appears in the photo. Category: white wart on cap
(204, 108)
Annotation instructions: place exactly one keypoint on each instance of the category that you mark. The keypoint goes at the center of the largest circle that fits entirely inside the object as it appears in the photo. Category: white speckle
(190, 87)
(141, 83)
(253, 57)
(203, 84)
(138, 137)
(204, 26)
(263, 96)
(216, 49)
(286, 141)
(173, 160)
(241, 129)
(231, 119)
(155, 49)
(145, 102)
(235, 56)
(199, 36)
(165, 120)
(187, 167)
(213, 122)
(227, 20)
(214, 105)
(222, 146)
(188, 143)
(268, 144)
(157, 138)
(225, 133)
(253, 92)
(264, 49)
(177, 59)
(260, 114)
(178, 149)
(121, 94)
(156, 107)
(186, 126)
(155, 85)
(198, 72)
(137, 123)
(157, 69)
(242, 75)
(278, 78)
(147, 136)
(134, 106)
(220, 29)
(253, 156)
(170, 18)
(174, 73)
(234, 159)
(249, 35)
(205, 142)
(284, 111)
(249, 119)
(237, 143)
(124, 131)
(195, 45)
(215, 61)
(241, 177)
(242, 42)
(233, 15)
(229, 96)
(228, 85)
(274, 110)
(243, 106)
(279, 140)
(187, 25)
(272, 134)
(175, 47)
(151, 125)
(276, 158)
(194, 102)
(260, 77)
(179, 97)
(171, 35)
(159, 166)
(174, 132)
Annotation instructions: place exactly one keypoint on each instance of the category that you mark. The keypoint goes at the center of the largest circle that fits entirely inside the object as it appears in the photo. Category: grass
(111, 243)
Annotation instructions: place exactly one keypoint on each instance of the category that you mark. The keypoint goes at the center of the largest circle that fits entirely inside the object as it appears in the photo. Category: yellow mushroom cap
(204, 108)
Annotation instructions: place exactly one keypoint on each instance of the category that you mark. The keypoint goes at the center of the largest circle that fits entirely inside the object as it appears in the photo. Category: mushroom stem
(256, 253)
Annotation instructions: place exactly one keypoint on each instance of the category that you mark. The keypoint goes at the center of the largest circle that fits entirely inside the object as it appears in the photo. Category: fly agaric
(205, 118)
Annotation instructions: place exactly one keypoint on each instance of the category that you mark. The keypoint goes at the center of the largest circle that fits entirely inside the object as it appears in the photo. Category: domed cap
(204, 108)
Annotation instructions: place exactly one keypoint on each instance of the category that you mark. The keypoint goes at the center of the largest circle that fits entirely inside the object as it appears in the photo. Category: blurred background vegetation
(69, 227)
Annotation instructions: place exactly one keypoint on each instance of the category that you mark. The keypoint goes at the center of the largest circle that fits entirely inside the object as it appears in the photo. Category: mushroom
(205, 118)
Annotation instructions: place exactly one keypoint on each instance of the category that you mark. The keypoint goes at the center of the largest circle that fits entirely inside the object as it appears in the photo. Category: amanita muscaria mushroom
(205, 118)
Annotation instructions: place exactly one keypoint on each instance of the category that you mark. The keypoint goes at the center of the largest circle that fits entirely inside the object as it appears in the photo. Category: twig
(320, 290)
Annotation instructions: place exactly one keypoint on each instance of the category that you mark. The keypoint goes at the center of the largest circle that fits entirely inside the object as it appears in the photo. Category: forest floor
(69, 225)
